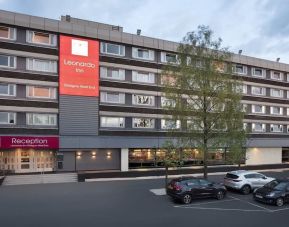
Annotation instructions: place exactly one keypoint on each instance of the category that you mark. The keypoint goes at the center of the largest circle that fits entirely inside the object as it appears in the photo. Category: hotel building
(78, 95)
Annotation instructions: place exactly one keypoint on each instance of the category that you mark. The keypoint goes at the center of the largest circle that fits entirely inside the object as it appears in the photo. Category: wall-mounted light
(108, 155)
(93, 155)
(78, 154)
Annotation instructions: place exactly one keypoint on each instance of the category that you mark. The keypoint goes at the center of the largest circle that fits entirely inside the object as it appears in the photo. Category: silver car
(245, 181)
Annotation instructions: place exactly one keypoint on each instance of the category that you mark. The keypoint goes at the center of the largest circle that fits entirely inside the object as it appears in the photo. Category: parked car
(186, 189)
(245, 181)
(275, 192)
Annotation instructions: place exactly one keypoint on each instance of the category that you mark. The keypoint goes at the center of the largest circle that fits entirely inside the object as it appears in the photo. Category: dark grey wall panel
(68, 161)
(78, 115)
(21, 63)
(21, 91)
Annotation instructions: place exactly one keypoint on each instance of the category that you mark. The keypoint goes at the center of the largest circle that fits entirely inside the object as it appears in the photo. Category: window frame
(143, 118)
(31, 34)
(263, 108)
(164, 57)
(279, 126)
(253, 70)
(280, 74)
(104, 71)
(103, 49)
(263, 127)
(135, 100)
(151, 53)
(151, 77)
(120, 124)
(52, 65)
(280, 110)
(10, 31)
(52, 92)
(245, 72)
(9, 88)
(281, 93)
(8, 118)
(176, 122)
(104, 95)
(9, 61)
(41, 114)
(263, 90)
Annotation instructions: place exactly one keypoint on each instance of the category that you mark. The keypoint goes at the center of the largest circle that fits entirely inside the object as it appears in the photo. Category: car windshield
(276, 185)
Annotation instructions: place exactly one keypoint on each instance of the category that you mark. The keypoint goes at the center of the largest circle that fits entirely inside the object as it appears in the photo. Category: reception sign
(79, 66)
(9, 142)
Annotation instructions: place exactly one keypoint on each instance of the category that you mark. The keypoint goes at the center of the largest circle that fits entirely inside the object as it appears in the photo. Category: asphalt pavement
(130, 203)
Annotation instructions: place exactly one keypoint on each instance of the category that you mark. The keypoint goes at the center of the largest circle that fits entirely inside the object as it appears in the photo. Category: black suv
(187, 188)
(275, 192)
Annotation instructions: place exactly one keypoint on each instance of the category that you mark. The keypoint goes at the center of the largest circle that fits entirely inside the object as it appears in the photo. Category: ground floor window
(285, 154)
(152, 158)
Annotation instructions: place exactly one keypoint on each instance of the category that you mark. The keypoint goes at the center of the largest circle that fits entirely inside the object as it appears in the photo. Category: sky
(260, 28)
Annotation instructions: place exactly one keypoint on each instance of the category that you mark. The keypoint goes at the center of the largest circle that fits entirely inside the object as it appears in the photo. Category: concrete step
(40, 179)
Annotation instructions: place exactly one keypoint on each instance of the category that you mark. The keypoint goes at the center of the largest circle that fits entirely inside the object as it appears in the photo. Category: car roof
(183, 178)
(242, 172)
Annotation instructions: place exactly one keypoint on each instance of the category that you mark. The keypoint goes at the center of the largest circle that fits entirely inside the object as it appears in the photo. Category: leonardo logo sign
(79, 66)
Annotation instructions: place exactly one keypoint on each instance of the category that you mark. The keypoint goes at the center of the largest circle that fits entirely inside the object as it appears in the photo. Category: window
(7, 89)
(41, 65)
(258, 109)
(276, 75)
(7, 61)
(258, 72)
(170, 124)
(240, 69)
(258, 90)
(143, 123)
(143, 54)
(241, 88)
(168, 80)
(143, 77)
(7, 33)
(7, 118)
(165, 102)
(41, 92)
(276, 93)
(41, 119)
(276, 128)
(258, 127)
(244, 107)
(245, 126)
(143, 100)
(169, 58)
(276, 110)
(112, 122)
(112, 73)
(112, 97)
(113, 49)
(41, 38)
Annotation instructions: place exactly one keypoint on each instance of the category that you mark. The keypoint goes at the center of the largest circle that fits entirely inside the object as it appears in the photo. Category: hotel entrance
(28, 154)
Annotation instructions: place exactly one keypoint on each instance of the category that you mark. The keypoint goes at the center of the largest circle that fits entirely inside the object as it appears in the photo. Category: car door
(261, 180)
(251, 180)
(194, 186)
(206, 188)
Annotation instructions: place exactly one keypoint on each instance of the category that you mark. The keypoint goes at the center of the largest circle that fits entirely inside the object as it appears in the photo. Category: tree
(204, 95)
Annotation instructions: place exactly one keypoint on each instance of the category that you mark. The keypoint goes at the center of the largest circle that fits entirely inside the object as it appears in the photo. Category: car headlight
(271, 194)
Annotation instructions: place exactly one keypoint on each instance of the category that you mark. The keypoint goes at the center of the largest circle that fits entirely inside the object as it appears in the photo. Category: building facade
(77, 95)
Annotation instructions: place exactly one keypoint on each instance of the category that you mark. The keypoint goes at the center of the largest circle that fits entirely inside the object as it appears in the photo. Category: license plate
(259, 196)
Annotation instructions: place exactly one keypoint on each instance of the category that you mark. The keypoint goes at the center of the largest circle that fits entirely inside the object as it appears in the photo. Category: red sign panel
(79, 66)
(8, 142)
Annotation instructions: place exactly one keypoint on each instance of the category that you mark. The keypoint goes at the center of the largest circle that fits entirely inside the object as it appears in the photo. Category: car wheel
(280, 202)
(220, 195)
(246, 189)
(187, 199)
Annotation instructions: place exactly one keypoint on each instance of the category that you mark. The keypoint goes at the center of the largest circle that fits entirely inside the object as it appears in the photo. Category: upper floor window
(113, 49)
(41, 65)
(7, 61)
(144, 54)
(7, 33)
(165, 102)
(112, 73)
(241, 88)
(41, 92)
(41, 38)
(240, 69)
(112, 97)
(258, 127)
(276, 110)
(276, 75)
(258, 90)
(143, 77)
(169, 58)
(7, 89)
(7, 118)
(143, 123)
(258, 72)
(276, 93)
(170, 124)
(41, 119)
(112, 122)
(168, 80)
(276, 128)
(145, 100)
(258, 109)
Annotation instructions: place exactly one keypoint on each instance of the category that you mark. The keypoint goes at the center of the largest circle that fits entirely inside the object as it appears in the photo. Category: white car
(245, 181)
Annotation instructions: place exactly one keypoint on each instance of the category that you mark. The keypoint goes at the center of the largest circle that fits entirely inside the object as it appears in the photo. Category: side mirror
(264, 178)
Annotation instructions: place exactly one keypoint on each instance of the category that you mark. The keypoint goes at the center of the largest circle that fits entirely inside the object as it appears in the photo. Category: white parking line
(194, 204)
(159, 191)
(223, 209)
(280, 209)
(251, 203)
